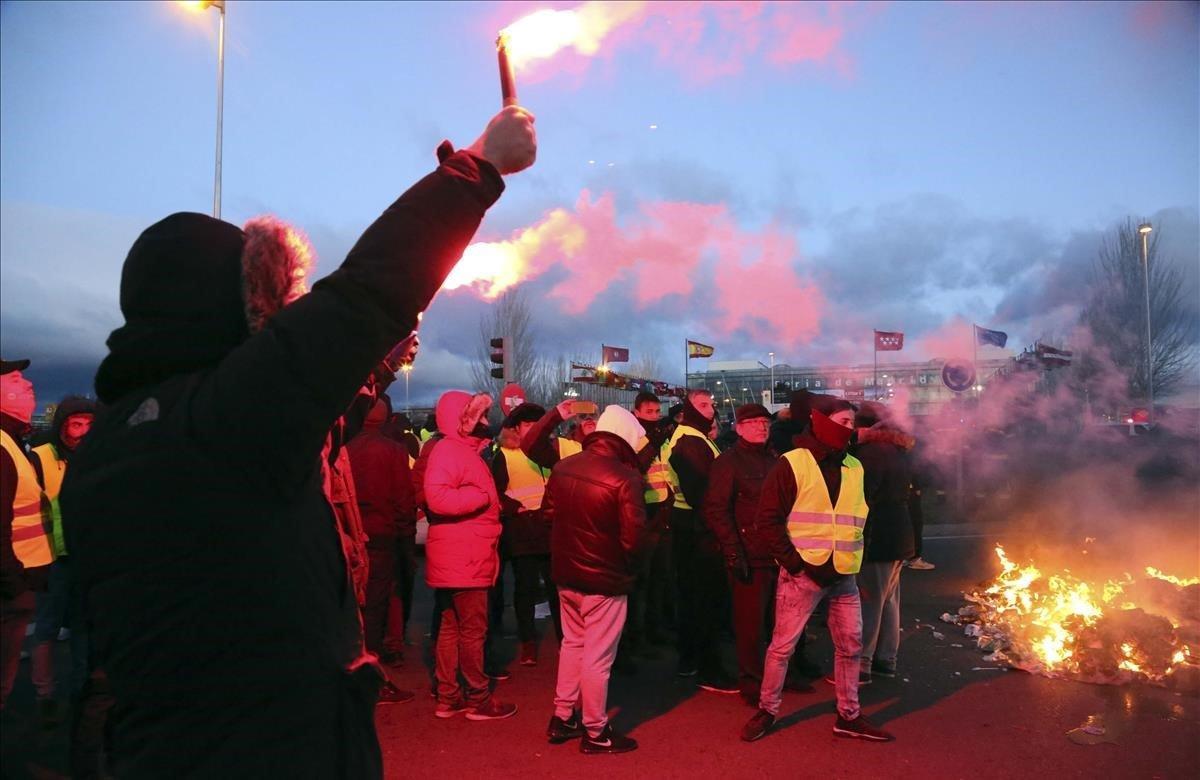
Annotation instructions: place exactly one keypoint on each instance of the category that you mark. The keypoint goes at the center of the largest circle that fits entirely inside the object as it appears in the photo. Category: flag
(1052, 357)
(614, 354)
(888, 341)
(984, 337)
(698, 350)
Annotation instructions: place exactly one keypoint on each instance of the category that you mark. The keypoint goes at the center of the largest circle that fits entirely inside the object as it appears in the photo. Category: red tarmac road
(949, 721)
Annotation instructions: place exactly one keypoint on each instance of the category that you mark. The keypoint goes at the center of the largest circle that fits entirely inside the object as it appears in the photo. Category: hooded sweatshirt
(464, 507)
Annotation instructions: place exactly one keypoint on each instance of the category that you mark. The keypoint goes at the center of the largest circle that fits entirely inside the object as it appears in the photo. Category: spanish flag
(698, 350)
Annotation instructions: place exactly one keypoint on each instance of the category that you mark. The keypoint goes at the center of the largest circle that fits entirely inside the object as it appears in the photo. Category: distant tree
(1115, 315)
(511, 318)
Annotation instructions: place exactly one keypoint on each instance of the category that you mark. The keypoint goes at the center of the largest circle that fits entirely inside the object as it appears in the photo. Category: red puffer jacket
(597, 516)
(464, 509)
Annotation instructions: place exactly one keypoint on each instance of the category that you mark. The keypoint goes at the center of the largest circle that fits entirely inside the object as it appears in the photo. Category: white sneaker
(919, 563)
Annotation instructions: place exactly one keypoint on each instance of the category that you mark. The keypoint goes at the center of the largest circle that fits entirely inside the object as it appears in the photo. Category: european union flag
(984, 337)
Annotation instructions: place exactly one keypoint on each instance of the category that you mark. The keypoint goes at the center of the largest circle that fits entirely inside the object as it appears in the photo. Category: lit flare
(544, 33)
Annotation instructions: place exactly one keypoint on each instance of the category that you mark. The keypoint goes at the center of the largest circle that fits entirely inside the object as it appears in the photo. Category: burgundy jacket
(384, 485)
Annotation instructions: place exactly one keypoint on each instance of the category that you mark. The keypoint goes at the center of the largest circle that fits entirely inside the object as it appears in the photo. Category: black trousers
(701, 592)
(381, 583)
(530, 572)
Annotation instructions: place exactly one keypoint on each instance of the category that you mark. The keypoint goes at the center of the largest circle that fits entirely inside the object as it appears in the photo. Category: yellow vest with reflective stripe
(526, 480)
(659, 478)
(30, 543)
(680, 432)
(817, 528)
(53, 471)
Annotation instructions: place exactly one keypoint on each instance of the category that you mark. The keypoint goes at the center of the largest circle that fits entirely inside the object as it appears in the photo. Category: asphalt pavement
(953, 715)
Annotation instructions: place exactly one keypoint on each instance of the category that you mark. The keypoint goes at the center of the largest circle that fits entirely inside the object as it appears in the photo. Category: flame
(1061, 624)
(1183, 583)
(489, 267)
(544, 33)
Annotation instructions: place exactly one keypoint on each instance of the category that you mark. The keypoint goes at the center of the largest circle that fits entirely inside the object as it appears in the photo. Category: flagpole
(975, 357)
(687, 362)
(875, 359)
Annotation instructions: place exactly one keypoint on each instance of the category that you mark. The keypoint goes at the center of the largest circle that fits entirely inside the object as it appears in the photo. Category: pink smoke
(707, 42)
(667, 249)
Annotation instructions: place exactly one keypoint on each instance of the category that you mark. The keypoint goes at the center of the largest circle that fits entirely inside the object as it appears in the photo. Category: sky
(759, 177)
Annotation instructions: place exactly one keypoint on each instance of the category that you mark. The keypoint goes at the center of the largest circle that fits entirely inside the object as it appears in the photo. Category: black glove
(738, 566)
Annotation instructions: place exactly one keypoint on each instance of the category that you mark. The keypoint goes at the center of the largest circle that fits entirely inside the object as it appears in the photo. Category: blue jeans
(796, 596)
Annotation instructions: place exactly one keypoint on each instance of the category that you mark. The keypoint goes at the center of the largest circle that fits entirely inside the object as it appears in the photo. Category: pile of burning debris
(1127, 630)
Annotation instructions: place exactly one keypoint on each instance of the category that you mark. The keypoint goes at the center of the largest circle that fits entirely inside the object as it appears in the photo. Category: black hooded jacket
(223, 611)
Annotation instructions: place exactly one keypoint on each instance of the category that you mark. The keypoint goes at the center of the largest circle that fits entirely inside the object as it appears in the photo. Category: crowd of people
(240, 512)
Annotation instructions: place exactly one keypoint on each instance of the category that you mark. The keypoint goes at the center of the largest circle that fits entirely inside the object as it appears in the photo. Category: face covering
(16, 396)
(828, 432)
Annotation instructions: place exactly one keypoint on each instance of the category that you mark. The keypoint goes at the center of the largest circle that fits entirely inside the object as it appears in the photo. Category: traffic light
(500, 355)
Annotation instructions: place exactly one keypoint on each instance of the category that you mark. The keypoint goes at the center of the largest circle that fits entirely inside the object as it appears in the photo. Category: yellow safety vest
(568, 447)
(680, 432)
(53, 471)
(30, 542)
(817, 528)
(526, 479)
(659, 479)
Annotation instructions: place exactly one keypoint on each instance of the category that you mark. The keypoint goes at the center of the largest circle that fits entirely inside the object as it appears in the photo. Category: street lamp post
(1144, 230)
(201, 5)
(407, 369)
(772, 356)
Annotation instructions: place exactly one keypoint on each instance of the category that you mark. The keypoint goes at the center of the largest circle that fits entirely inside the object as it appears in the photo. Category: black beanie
(181, 294)
(526, 412)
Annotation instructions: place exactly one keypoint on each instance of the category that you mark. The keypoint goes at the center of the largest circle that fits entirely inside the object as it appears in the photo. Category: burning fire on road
(1054, 623)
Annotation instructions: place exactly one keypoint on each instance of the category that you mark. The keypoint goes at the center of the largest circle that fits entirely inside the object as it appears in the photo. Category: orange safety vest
(817, 528)
(30, 542)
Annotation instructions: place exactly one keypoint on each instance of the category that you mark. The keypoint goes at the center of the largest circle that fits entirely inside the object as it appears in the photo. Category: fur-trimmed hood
(886, 434)
(193, 288)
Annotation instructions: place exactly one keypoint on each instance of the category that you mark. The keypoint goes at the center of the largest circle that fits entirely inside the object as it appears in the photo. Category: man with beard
(812, 511)
(700, 580)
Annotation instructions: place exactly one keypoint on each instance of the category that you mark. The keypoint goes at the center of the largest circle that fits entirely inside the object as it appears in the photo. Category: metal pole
(1149, 343)
(772, 354)
(407, 405)
(220, 108)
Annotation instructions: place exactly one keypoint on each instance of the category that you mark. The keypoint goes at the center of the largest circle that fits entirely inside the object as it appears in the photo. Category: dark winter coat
(383, 482)
(597, 516)
(734, 487)
(222, 607)
(692, 458)
(778, 497)
(887, 471)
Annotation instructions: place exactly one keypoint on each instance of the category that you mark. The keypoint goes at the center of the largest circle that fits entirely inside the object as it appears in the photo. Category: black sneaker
(499, 673)
(390, 694)
(560, 731)
(883, 670)
(608, 741)
(758, 726)
(718, 683)
(860, 728)
(492, 709)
